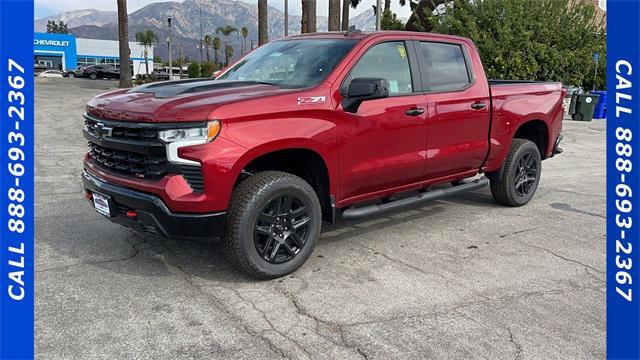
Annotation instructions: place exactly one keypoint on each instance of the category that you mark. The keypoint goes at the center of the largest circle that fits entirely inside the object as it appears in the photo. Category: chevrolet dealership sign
(62, 43)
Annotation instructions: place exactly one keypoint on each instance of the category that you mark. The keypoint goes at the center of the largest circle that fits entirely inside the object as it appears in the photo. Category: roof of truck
(360, 35)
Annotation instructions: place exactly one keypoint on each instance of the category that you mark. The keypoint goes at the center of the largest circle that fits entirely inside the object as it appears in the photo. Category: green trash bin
(582, 106)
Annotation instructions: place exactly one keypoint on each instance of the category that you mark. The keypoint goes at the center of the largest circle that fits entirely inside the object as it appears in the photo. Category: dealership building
(66, 52)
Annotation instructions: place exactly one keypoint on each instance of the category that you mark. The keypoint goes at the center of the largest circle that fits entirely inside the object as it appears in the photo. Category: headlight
(205, 134)
(177, 138)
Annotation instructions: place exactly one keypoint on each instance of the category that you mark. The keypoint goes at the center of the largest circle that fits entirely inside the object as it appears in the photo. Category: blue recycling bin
(600, 111)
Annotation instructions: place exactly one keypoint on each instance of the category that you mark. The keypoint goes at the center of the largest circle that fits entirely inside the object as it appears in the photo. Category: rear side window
(387, 60)
(446, 68)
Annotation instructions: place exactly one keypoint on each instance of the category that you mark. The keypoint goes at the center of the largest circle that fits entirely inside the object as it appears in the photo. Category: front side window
(294, 63)
(389, 61)
(446, 68)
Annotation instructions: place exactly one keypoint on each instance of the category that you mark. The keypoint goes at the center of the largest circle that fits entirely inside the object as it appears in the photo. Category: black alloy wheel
(516, 182)
(273, 224)
(282, 229)
(526, 174)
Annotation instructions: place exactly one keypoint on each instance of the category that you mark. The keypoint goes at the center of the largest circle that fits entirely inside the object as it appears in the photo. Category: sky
(44, 8)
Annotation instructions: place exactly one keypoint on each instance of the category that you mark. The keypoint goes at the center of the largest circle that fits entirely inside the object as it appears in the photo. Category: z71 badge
(311, 100)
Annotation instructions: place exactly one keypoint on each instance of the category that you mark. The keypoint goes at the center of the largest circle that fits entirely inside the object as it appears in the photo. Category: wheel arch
(536, 131)
(300, 157)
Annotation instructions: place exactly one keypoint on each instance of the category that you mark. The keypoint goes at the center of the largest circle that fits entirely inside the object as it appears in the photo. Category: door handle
(415, 111)
(478, 105)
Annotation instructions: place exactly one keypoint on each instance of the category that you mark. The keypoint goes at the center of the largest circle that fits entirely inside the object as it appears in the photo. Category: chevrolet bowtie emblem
(102, 131)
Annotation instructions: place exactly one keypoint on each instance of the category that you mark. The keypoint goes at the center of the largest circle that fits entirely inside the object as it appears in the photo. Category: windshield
(291, 63)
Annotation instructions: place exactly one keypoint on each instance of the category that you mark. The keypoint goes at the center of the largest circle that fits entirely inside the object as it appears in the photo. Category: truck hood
(176, 101)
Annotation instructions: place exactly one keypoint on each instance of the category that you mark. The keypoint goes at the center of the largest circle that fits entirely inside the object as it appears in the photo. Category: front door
(382, 145)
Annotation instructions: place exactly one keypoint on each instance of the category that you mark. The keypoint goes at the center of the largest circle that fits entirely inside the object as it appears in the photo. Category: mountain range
(95, 24)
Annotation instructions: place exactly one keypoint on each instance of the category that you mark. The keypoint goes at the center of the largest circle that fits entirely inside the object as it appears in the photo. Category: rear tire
(71, 75)
(517, 181)
(273, 224)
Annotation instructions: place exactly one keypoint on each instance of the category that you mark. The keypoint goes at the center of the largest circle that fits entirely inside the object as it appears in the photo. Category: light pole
(170, 55)
(286, 18)
(201, 34)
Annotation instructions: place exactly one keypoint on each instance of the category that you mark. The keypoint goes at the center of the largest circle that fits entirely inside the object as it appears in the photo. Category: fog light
(132, 214)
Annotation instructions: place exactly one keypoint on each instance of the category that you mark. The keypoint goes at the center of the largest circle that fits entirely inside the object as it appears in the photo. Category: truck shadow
(207, 261)
(119, 250)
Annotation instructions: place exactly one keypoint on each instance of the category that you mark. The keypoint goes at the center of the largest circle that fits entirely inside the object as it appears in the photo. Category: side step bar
(357, 213)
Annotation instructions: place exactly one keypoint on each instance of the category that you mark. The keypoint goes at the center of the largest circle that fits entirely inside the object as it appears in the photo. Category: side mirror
(362, 89)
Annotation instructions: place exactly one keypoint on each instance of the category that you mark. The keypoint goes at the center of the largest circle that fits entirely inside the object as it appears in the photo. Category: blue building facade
(56, 51)
(66, 52)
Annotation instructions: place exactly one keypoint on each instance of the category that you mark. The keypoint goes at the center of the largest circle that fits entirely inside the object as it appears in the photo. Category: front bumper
(152, 215)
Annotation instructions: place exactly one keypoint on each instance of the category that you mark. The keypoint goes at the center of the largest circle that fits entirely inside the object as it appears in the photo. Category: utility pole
(201, 36)
(378, 15)
(181, 59)
(170, 55)
(286, 18)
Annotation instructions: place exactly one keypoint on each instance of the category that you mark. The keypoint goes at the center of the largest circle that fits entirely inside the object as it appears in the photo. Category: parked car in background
(101, 72)
(39, 68)
(51, 74)
(74, 72)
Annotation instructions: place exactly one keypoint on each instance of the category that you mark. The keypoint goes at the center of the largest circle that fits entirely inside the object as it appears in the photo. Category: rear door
(383, 143)
(458, 109)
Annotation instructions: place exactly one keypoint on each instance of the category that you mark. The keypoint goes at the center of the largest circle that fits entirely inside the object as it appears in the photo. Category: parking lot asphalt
(453, 279)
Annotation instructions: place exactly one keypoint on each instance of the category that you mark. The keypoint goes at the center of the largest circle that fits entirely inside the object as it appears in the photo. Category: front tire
(93, 76)
(517, 181)
(273, 224)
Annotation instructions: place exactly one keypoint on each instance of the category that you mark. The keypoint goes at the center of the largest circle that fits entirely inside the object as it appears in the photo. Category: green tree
(217, 45)
(193, 70)
(245, 32)
(390, 21)
(553, 40)
(208, 41)
(226, 31)
(157, 59)
(57, 28)
(206, 69)
(146, 38)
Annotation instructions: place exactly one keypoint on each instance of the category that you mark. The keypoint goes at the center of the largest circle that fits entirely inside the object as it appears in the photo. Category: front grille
(128, 162)
(133, 149)
(98, 128)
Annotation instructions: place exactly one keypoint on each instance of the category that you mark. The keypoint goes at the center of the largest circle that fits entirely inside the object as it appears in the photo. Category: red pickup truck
(312, 127)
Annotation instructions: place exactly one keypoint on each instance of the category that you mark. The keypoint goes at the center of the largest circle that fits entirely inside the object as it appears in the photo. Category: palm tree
(146, 38)
(263, 26)
(123, 40)
(334, 15)
(345, 12)
(208, 41)
(217, 45)
(245, 32)
(228, 53)
(226, 31)
(308, 16)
